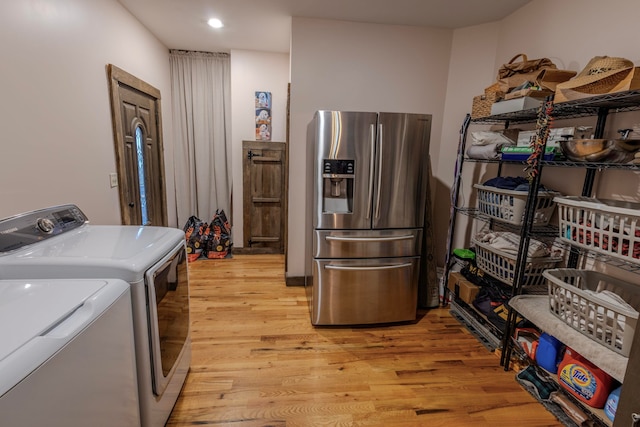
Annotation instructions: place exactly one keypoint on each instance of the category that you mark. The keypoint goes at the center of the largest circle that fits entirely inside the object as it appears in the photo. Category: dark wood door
(137, 128)
(264, 169)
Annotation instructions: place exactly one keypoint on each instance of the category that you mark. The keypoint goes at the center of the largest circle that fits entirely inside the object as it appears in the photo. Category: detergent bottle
(584, 380)
(549, 352)
(612, 403)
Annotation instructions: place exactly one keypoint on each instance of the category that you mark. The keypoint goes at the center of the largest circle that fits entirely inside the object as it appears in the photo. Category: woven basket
(494, 88)
(482, 103)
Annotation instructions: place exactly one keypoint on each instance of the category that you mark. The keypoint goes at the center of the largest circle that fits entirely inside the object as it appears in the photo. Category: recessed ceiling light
(215, 23)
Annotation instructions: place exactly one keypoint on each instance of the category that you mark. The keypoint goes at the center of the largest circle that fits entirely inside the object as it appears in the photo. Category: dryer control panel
(24, 229)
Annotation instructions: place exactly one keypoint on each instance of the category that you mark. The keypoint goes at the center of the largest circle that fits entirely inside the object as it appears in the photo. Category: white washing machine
(58, 242)
(67, 354)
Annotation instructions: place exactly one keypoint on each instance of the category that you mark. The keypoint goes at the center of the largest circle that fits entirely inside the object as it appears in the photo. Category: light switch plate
(113, 180)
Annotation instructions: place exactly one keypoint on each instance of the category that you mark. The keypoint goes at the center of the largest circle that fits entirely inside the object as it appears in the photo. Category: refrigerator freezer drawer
(364, 291)
(367, 243)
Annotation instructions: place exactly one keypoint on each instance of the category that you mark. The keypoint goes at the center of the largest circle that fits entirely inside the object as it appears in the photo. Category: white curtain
(200, 90)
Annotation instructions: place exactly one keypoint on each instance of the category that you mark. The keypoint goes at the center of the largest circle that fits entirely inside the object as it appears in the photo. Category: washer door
(167, 287)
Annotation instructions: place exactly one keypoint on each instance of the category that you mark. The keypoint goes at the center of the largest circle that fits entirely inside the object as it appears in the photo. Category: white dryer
(58, 242)
(67, 354)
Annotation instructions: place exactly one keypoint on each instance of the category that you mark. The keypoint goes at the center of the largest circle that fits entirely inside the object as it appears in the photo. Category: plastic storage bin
(608, 227)
(502, 265)
(509, 205)
(574, 300)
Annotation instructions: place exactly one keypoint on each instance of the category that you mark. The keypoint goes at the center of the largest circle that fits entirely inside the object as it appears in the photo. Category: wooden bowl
(578, 149)
(630, 145)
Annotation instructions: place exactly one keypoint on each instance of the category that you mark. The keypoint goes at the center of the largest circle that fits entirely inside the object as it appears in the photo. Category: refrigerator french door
(368, 183)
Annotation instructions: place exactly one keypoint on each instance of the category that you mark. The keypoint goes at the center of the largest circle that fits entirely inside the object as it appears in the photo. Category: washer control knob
(45, 225)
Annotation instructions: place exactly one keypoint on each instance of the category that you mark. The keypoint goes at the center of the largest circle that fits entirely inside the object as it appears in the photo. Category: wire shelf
(588, 254)
(540, 230)
(565, 164)
(618, 102)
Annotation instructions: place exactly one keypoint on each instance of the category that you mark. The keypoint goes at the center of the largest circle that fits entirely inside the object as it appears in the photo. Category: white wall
(570, 33)
(253, 71)
(57, 141)
(359, 67)
(471, 66)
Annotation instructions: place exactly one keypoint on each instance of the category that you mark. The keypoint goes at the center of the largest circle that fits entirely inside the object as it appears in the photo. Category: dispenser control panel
(24, 229)
(333, 168)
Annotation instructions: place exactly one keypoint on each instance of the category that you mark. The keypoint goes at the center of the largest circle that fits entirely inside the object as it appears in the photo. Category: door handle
(371, 239)
(372, 163)
(379, 154)
(251, 155)
(363, 268)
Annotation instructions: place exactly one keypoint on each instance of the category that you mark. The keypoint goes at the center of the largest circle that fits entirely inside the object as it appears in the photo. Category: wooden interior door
(137, 129)
(264, 196)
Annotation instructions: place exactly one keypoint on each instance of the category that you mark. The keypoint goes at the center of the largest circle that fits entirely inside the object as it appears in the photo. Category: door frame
(118, 77)
(286, 179)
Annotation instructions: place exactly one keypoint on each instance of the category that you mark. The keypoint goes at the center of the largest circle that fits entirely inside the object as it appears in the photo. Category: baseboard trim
(295, 281)
(254, 251)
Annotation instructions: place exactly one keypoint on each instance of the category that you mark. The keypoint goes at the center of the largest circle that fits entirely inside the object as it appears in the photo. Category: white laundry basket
(509, 205)
(573, 298)
(608, 227)
(502, 265)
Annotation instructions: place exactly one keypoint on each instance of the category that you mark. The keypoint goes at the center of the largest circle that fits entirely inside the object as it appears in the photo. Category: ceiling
(264, 25)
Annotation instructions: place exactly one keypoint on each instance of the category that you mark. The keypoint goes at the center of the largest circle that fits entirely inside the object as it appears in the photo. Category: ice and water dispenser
(337, 182)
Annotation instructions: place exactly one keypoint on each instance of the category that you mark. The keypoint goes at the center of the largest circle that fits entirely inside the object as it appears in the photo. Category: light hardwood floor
(257, 361)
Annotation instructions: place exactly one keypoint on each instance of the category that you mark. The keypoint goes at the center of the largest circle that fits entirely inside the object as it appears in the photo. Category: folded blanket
(488, 137)
(486, 145)
(509, 243)
(508, 183)
(484, 152)
(516, 183)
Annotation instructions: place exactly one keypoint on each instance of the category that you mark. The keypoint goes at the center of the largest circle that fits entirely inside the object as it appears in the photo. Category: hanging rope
(543, 126)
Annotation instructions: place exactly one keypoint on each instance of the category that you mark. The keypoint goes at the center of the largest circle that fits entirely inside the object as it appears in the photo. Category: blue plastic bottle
(549, 352)
(612, 403)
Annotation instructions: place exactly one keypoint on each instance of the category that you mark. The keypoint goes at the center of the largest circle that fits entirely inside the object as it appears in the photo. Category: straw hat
(600, 75)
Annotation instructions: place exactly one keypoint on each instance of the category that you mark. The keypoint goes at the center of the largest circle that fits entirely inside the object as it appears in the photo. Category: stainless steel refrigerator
(367, 188)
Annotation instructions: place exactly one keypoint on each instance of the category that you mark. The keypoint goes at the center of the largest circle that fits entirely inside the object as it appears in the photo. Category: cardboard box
(461, 287)
(555, 135)
(533, 93)
(527, 338)
(518, 104)
(550, 78)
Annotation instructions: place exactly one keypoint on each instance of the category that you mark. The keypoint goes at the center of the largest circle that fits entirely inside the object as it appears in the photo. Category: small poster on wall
(263, 116)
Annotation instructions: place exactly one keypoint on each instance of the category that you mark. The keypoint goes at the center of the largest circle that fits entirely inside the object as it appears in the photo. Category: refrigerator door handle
(379, 267)
(371, 239)
(379, 154)
(372, 131)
